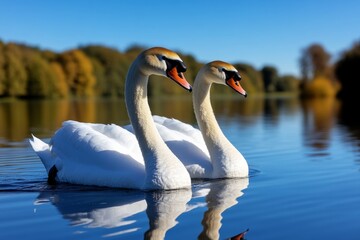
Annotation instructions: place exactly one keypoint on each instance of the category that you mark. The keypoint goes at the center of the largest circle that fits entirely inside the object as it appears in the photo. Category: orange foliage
(320, 87)
(79, 72)
(60, 84)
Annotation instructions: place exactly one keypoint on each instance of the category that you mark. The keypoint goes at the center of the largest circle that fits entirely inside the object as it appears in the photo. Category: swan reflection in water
(221, 196)
(163, 209)
(117, 208)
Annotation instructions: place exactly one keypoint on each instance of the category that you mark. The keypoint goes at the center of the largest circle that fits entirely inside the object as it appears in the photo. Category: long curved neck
(139, 111)
(160, 163)
(204, 113)
(219, 147)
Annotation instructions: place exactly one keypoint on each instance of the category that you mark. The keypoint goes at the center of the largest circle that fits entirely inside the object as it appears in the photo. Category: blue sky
(252, 31)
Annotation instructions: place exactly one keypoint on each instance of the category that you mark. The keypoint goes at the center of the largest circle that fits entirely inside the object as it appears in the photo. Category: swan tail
(42, 149)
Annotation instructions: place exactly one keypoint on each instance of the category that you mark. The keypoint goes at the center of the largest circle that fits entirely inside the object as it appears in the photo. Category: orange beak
(236, 86)
(179, 78)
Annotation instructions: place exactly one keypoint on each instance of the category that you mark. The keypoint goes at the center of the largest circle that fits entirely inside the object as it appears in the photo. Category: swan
(109, 155)
(206, 153)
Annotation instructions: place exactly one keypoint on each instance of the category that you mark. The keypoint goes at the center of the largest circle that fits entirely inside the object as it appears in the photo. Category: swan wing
(95, 154)
(186, 142)
(184, 134)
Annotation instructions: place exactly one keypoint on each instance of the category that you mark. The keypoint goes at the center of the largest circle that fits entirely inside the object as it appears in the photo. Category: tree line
(321, 77)
(94, 70)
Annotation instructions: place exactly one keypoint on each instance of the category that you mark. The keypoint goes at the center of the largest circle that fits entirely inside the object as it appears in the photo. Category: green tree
(252, 81)
(347, 71)
(59, 86)
(133, 51)
(287, 83)
(40, 77)
(270, 77)
(99, 70)
(193, 67)
(101, 86)
(15, 71)
(158, 87)
(111, 72)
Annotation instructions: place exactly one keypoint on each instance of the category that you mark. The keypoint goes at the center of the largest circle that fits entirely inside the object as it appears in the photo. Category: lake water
(304, 158)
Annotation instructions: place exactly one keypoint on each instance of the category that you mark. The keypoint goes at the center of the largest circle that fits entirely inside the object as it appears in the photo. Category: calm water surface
(305, 180)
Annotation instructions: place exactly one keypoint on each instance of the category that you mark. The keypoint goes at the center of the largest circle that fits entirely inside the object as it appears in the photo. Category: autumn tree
(314, 62)
(314, 65)
(27, 71)
(48, 55)
(61, 88)
(2, 69)
(78, 71)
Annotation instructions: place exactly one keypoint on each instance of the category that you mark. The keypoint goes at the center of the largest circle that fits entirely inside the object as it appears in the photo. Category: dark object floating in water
(239, 236)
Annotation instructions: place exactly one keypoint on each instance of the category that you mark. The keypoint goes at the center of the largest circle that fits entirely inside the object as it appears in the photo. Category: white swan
(206, 154)
(108, 155)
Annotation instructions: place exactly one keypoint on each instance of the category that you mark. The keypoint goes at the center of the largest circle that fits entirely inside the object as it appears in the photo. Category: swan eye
(171, 63)
(232, 74)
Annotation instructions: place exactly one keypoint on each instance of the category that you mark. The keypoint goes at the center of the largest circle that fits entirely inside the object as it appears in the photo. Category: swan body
(206, 153)
(109, 155)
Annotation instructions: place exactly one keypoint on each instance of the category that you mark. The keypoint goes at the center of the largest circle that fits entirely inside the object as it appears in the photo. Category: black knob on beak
(181, 67)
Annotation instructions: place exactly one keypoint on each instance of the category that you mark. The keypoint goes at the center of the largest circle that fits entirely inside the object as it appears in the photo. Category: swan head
(224, 73)
(164, 62)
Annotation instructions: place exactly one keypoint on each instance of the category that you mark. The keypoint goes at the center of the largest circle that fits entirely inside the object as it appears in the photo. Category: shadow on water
(349, 117)
(119, 209)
